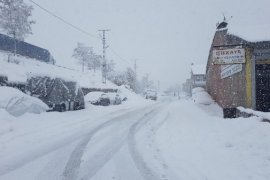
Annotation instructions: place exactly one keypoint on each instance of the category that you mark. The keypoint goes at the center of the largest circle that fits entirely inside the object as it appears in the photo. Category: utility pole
(104, 63)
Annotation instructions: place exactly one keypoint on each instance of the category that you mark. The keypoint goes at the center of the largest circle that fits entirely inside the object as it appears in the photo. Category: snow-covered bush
(200, 96)
(17, 103)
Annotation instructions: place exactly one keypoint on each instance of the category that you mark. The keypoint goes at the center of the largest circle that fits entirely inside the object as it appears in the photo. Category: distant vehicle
(60, 95)
(151, 94)
(104, 100)
(115, 98)
(163, 94)
(93, 97)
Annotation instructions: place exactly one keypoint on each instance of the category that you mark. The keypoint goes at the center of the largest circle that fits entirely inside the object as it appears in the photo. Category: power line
(63, 20)
(120, 57)
(77, 28)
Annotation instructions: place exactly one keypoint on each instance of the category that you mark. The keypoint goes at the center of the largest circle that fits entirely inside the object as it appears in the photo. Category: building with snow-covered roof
(197, 79)
(198, 75)
(187, 87)
(238, 71)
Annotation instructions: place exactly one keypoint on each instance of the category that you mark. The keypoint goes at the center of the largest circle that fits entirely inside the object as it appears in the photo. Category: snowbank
(6, 122)
(200, 96)
(198, 145)
(131, 96)
(17, 103)
(263, 115)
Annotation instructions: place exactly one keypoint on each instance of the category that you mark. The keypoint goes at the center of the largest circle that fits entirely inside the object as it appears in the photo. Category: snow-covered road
(73, 150)
(165, 140)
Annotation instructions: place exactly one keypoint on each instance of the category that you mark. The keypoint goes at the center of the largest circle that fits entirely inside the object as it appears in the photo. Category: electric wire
(120, 57)
(77, 28)
(64, 21)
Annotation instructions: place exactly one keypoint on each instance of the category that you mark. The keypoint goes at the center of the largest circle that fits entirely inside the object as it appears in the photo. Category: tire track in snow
(160, 165)
(84, 121)
(146, 171)
(72, 167)
(26, 157)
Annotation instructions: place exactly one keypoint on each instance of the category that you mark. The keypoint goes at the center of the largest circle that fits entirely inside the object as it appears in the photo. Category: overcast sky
(165, 36)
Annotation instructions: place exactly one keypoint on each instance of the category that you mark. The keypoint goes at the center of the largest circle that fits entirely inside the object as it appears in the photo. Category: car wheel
(62, 108)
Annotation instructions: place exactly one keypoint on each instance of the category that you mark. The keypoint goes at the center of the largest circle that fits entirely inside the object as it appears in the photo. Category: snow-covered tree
(83, 54)
(146, 83)
(94, 62)
(14, 18)
(118, 78)
(131, 78)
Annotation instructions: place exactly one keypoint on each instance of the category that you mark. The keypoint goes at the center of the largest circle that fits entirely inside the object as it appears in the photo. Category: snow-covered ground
(151, 140)
(206, 146)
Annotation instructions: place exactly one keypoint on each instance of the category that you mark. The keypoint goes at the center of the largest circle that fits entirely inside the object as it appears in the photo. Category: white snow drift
(17, 103)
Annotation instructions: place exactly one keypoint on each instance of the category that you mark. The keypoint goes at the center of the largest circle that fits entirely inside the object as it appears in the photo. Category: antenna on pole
(104, 62)
(224, 23)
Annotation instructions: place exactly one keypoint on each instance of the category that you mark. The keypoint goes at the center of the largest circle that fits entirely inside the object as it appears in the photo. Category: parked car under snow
(93, 97)
(60, 95)
(103, 99)
(17, 103)
(115, 98)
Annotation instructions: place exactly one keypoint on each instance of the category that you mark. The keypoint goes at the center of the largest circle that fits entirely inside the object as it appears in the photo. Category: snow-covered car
(104, 100)
(17, 103)
(59, 94)
(115, 98)
(151, 94)
(93, 97)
